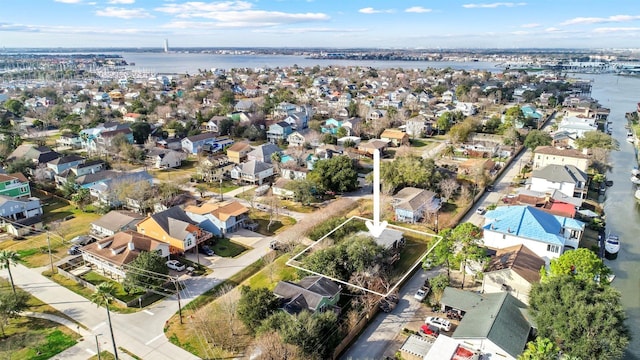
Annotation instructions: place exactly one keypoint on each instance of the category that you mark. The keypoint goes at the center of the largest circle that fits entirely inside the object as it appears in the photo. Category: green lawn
(278, 225)
(270, 275)
(413, 250)
(227, 248)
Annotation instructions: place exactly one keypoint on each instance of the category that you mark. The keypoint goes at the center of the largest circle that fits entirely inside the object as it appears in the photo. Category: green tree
(438, 283)
(444, 121)
(537, 138)
(468, 239)
(443, 252)
(141, 131)
(227, 98)
(256, 305)
(69, 187)
(492, 124)
(224, 126)
(15, 106)
(147, 271)
(11, 305)
(514, 115)
(81, 197)
(336, 174)
(409, 170)
(459, 133)
(341, 132)
(19, 166)
(584, 318)
(581, 263)
(540, 349)
(102, 297)
(303, 191)
(597, 140)
(7, 259)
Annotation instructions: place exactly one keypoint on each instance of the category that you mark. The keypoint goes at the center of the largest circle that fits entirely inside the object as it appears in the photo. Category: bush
(324, 228)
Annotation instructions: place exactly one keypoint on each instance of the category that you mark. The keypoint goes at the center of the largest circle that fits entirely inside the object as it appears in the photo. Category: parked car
(175, 265)
(421, 294)
(440, 323)
(82, 240)
(74, 250)
(204, 249)
(480, 211)
(429, 330)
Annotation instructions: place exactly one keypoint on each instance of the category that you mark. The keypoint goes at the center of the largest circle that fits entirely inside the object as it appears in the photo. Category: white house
(550, 155)
(545, 234)
(568, 179)
(577, 125)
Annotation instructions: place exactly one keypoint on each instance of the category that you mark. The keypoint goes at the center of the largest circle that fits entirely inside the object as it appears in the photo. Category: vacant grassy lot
(277, 226)
(272, 273)
(32, 338)
(186, 171)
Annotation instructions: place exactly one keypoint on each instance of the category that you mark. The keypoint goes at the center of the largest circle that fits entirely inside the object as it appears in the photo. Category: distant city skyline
(320, 23)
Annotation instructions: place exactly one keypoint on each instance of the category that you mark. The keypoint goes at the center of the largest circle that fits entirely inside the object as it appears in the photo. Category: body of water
(620, 94)
(181, 63)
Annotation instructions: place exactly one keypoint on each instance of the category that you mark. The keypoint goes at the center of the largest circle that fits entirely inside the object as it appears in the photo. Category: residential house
(514, 270)
(244, 106)
(331, 126)
(296, 139)
(194, 144)
(110, 256)
(412, 204)
(298, 120)
(530, 112)
(252, 171)
(448, 96)
(577, 126)
(494, 325)
(395, 137)
(65, 162)
(279, 188)
(15, 186)
(417, 127)
(237, 153)
(23, 227)
(550, 155)
(293, 172)
(568, 179)
(69, 139)
(115, 221)
(174, 227)
(263, 153)
(370, 146)
(547, 235)
(37, 154)
(312, 293)
(105, 189)
(131, 117)
(80, 108)
(352, 125)
(18, 209)
(349, 140)
(165, 158)
(219, 219)
(214, 168)
(279, 131)
(105, 138)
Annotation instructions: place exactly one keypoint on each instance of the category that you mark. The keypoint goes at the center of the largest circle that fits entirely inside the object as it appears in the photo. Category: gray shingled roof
(254, 167)
(306, 294)
(115, 220)
(412, 199)
(173, 221)
(498, 317)
(561, 173)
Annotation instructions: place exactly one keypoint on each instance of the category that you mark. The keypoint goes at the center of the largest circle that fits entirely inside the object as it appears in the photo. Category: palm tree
(8, 258)
(103, 296)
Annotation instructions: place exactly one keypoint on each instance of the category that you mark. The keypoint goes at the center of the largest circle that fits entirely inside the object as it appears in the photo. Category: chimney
(131, 246)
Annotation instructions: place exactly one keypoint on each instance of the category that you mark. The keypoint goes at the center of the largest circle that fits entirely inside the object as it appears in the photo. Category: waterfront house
(194, 144)
(514, 270)
(174, 227)
(237, 153)
(219, 219)
(550, 155)
(312, 293)
(577, 126)
(547, 235)
(15, 186)
(568, 179)
(412, 204)
(115, 221)
(494, 325)
(110, 256)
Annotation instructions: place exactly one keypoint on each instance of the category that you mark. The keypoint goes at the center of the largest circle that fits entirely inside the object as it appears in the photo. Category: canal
(620, 94)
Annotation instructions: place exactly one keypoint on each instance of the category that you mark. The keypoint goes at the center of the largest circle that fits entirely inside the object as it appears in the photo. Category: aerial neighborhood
(254, 184)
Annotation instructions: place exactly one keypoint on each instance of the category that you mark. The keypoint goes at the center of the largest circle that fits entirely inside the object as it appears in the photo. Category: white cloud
(596, 20)
(69, 1)
(370, 10)
(606, 30)
(124, 13)
(417, 9)
(308, 30)
(192, 9)
(122, 1)
(530, 26)
(552, 29)
(493, 5)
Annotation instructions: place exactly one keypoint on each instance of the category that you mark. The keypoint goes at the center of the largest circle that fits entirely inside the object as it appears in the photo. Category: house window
(553, 248)
(23, 189)
(504, 236)
(188, 243)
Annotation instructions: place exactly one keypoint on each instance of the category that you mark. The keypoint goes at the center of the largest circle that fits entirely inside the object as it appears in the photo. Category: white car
(420, 295)
(480, 211)
(175, 265)
(440, 323)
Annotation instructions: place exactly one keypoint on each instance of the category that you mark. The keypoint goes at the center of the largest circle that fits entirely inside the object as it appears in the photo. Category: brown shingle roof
(551, 150)
(520, 259)
(116, 250)
(222, 211)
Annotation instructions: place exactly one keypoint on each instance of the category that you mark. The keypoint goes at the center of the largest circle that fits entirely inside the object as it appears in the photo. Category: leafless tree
(228, 297)
(270, 346)
(465, 193)
(448, 187)
(269, 259)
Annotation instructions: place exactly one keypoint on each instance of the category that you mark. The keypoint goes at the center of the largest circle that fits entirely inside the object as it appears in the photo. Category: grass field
(227, 248)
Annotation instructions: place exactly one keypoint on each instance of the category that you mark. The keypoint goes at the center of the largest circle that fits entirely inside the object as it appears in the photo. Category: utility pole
(175, 283)
(221, 197)
(98, 345)
(50, 256)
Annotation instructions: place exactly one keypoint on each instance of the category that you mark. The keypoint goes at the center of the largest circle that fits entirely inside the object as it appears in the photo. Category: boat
(630, 137)
(637, 194)
(635, 179)
(635, 171)
(611, 246)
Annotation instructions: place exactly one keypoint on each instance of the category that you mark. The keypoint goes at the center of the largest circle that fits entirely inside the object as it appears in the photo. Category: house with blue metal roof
(547, 235)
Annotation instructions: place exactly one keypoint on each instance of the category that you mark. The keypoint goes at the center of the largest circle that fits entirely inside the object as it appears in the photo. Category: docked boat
(635, 171)
(611, 246)
(630, 137)
(635, 179)
(637, 194)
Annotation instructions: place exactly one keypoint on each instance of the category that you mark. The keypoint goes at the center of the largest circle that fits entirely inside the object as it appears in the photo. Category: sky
(402, 24)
